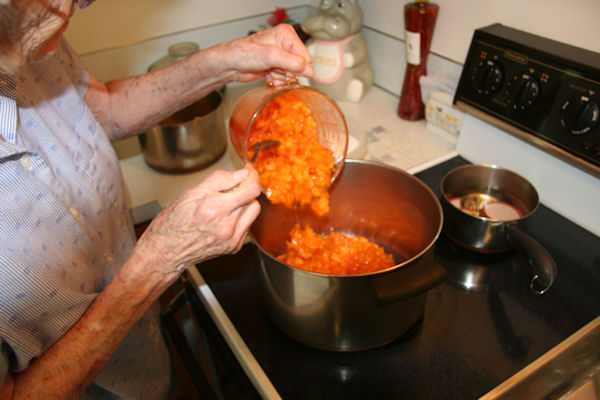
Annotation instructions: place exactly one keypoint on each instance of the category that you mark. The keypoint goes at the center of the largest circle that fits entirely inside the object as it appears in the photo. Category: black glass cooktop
(479, 327)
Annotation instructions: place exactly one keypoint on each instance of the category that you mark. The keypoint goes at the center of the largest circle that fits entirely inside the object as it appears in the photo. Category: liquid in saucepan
(486, 206)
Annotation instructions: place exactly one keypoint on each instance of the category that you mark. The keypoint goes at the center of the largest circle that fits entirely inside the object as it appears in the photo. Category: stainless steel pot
(189, 140)
(354, 312)
(484, 234)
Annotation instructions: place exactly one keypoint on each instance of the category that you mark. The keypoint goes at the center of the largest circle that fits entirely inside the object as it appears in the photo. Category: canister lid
(176, 52)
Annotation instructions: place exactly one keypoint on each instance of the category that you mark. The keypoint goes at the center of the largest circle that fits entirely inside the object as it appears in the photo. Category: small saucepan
(485, 208)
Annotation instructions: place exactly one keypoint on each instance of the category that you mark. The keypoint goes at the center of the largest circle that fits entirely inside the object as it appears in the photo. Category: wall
(574, 22)
(119, 38)
(130, 53)
(112, 23)
(135, 58)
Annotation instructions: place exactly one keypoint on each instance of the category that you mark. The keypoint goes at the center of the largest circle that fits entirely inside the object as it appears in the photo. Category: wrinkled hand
(271, 53)
(208, 220)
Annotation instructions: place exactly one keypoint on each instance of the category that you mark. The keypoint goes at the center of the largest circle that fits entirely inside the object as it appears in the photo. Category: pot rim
(404, 264)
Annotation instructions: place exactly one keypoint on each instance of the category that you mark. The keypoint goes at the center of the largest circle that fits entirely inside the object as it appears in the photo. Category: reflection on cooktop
(475, 271)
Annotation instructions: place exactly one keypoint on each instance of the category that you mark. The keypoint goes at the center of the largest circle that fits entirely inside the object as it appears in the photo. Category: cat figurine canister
(340, 56)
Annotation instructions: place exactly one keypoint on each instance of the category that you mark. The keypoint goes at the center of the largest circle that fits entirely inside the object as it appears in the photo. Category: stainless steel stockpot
(354, 312)
(189, 140)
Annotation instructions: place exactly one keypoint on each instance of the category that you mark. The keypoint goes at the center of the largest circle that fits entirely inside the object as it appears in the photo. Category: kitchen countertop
(406, 145)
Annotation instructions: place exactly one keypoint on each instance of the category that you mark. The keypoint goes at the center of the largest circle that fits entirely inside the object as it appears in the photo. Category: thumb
(228, 182)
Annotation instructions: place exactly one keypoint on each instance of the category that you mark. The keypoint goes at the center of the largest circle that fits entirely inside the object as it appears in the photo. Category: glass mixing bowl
(331, 124)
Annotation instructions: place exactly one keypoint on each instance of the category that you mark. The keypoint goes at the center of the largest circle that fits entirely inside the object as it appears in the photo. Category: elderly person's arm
(207, 220)
(131, 105)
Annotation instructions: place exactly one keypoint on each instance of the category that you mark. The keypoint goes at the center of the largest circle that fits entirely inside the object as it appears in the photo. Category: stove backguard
(544, 92)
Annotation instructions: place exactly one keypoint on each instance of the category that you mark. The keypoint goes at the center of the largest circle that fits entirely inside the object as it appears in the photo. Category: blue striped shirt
(64, 226)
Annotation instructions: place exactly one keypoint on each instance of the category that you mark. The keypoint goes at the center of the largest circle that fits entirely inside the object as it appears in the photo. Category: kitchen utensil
(354, 312)
(482, 234)
(256, 148)
(189, 140)
(333, 131)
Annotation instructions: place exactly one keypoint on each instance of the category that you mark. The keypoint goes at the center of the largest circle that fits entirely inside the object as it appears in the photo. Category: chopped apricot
(298, 171)
(335, 254)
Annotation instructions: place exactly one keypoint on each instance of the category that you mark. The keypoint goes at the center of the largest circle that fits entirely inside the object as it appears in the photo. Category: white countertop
(406, 145)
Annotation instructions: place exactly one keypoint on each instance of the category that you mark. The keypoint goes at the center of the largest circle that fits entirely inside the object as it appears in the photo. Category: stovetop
(479, 328)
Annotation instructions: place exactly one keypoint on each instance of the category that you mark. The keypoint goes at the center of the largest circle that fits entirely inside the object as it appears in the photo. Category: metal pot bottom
(333, 315)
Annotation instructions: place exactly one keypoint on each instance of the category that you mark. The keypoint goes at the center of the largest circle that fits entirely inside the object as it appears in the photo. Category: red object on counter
(419, 21)
(278, 16)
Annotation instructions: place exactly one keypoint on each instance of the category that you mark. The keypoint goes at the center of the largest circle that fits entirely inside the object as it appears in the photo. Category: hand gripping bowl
(354, 312)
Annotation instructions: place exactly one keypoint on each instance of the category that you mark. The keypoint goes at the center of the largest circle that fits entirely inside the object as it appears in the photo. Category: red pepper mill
(419, 21)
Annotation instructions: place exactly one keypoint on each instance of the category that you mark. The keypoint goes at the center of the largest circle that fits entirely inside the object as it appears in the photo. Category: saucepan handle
(408, 282)
(540, 264)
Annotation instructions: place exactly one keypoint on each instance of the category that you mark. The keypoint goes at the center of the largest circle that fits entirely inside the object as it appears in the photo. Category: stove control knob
(488, 77)
(523, 92)
(579, 114)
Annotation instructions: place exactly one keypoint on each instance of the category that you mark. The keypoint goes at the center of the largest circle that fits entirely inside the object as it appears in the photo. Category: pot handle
(540, 264)
(410, 281)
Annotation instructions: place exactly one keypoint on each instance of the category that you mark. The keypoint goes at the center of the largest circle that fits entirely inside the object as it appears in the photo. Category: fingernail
(85, 3)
